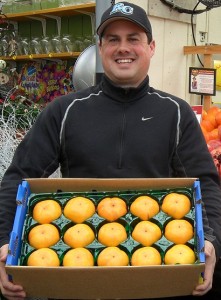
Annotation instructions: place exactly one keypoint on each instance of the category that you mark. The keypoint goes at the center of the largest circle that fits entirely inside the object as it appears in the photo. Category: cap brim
(102, 27)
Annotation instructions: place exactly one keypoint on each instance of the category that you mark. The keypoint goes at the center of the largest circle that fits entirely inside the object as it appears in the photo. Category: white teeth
(122, 61)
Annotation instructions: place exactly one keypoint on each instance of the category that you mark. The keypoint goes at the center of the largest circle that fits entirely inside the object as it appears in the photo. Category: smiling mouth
(124, 61)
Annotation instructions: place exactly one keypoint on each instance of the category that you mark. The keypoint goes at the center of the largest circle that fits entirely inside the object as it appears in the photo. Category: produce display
(211, 128)
(127, 228)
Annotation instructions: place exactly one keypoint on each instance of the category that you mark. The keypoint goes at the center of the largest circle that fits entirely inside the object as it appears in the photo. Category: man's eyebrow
(111, 35)
(134, 34)
(115, 35)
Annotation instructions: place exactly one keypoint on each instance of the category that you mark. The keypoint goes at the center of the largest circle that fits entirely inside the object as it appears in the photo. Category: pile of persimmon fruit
(211, 128)
(211, 123)
(45, 234)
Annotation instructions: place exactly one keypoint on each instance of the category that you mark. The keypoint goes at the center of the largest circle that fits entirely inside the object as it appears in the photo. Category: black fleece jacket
(111, 132)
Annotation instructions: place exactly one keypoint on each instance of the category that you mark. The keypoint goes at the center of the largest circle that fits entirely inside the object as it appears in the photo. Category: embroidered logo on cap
(124, 9)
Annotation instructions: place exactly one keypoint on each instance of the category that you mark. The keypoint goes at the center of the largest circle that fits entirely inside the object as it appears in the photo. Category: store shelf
(62, 55)
(74, 21)
(208, 49)
(58, 11)
(65, 11)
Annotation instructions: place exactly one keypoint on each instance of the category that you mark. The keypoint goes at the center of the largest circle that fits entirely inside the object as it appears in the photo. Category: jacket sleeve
(192, 159)
(36, 156)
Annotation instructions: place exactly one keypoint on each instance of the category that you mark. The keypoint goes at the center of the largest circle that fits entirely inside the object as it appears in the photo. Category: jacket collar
(124, 94)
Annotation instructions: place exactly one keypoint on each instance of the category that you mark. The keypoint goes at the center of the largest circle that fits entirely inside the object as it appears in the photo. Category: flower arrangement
(17, 115)
(23, 96)
(18, 111)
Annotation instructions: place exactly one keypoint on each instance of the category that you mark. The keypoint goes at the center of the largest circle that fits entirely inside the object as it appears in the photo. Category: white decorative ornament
(2, 64)
(4, 78)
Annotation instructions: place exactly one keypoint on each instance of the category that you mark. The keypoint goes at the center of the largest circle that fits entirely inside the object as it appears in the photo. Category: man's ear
(99, 46)
(152, 48)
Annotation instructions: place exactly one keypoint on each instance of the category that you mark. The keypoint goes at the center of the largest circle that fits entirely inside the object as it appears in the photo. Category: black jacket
(111, 132)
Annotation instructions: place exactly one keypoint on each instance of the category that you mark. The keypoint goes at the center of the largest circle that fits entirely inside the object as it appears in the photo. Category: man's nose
(124, 46)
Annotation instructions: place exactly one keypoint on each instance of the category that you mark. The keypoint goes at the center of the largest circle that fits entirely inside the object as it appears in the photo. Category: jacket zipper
(122, 135)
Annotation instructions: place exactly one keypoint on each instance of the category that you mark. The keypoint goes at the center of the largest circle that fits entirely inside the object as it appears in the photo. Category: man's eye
(134, 40)
(112, 40)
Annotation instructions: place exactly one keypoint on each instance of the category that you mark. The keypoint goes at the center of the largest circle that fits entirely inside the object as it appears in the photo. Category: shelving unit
(76, 22)
(67, 11)
(207, 51)
(58, 11)
(62, 55)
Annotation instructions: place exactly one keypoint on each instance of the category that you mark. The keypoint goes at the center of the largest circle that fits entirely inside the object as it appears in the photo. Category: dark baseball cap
(125, 11)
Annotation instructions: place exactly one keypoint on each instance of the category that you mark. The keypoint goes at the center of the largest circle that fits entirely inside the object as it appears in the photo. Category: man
(120, 128)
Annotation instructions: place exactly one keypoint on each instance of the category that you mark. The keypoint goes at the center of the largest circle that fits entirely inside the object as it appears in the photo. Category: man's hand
(9, 290)
(204, 287)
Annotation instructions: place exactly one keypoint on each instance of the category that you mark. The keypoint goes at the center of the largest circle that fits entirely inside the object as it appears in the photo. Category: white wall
(210, 22)
(172, 31)
(168, 67)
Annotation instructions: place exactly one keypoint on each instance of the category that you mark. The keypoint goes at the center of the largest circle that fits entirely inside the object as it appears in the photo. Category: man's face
(125, 53)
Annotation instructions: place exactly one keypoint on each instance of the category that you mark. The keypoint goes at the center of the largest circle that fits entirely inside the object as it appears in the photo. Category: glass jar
(87, 41)
(46, 45)
(57, 44)
(1, 50)
(87, 1)
(12, 46)
(78, 44)
(35, 46)
(4, 46)
(25, 49)
(7, 7)
(67, 43)
(19, 45)
(20, 6)
(49, 4)
(36, 4)
(69, 2)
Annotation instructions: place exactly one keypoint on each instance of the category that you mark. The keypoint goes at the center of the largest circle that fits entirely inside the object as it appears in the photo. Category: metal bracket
(58, 19)
(92, 16)
(43, 23)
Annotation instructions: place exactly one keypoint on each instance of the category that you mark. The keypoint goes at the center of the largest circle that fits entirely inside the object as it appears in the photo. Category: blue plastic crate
(15, 243)
(199, 221)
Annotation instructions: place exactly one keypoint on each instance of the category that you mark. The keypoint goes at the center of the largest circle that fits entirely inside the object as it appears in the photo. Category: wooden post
(207, 64)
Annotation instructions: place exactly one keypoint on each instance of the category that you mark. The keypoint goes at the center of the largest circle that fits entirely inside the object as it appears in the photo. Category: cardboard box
(104, 282)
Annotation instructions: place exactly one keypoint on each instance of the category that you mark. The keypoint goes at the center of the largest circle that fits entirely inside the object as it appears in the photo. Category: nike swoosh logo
(145, 119)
